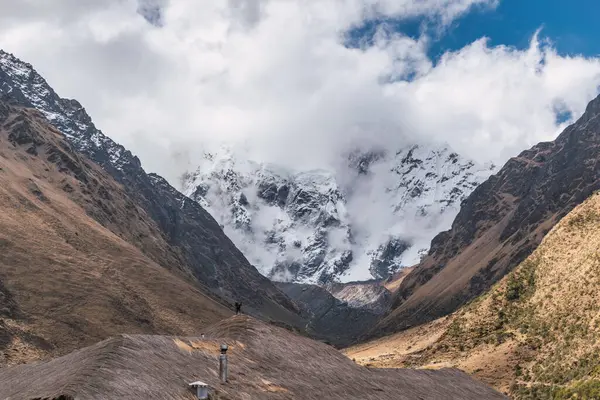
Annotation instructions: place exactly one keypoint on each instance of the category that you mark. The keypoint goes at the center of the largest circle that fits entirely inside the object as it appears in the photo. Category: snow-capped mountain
(20, 81)
(365, 220)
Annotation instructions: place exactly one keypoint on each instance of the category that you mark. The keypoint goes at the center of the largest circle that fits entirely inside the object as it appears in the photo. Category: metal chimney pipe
(223, 363)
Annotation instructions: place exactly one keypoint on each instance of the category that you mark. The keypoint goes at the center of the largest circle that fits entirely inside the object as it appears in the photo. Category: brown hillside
(71, 272)
(500, 224)
(194, 238)
(536, 333)
(393, 282)
(265, 362)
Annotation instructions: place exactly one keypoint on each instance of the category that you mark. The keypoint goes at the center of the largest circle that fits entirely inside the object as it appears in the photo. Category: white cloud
(493, 102)
(275, 76)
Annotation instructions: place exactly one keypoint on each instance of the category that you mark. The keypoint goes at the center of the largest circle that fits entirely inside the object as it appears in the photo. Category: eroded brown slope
(190, 231)
(71, 269)
(536, 334)
(501, 223)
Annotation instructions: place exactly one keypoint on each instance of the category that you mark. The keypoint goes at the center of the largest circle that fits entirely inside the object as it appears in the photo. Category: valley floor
(492, 365)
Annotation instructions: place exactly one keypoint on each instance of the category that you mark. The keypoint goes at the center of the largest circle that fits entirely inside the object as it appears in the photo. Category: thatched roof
(265, 362)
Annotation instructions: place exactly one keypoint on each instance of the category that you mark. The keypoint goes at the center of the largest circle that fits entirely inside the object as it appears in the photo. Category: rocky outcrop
(501, 223)
(368, 295)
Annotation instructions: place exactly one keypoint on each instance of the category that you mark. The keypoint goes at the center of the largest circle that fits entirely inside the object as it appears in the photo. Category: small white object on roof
(201, 389)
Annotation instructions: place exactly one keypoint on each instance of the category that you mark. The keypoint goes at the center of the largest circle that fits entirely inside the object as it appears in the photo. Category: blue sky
(284, 89)
(572, 26)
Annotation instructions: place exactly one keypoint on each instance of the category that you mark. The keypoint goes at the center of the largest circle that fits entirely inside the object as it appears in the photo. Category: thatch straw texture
(265, 362)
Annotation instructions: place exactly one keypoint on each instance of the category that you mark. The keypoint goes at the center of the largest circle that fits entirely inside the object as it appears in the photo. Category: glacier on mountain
(376, 214)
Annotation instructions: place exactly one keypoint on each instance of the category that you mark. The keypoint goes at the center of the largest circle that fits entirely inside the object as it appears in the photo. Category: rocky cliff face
(501, 223)
(207, 254)
(321, 226)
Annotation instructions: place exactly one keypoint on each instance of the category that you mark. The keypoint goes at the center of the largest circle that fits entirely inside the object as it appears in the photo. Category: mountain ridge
(205, 251)
(501, 223)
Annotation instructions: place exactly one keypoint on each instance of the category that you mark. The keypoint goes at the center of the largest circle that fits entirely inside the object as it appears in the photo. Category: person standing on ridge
(238, 308)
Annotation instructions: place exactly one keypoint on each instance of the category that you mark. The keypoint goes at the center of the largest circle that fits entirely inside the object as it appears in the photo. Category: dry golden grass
(392, 351)
(536, 334)
(397, 279)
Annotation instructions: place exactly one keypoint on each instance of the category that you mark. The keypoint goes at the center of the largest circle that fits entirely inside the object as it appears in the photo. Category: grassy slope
(71, 269)
(535, 335)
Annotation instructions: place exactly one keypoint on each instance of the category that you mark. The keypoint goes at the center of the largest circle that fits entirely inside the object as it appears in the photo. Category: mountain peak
(310, 225)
